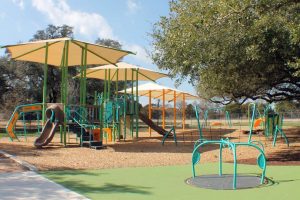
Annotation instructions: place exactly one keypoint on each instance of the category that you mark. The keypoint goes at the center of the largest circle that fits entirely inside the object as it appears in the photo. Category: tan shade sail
(157, 92)
(36, 52)
(119, 71)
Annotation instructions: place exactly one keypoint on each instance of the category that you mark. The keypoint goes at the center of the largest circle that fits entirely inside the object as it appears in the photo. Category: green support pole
(65, 90)
(38, 123)
(62, 75)
(137, 104)
(125, 104)
(81, 77)
(117, 83)
(101, 107)
(105, 84)
(116, 94)
(84, 74)
(45, 83)
(108, 86)
(131, 106)
(234, 166)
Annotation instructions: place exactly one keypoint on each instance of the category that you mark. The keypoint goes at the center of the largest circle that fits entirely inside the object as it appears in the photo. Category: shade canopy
(122, 71)
(36, 52)
(157, 92)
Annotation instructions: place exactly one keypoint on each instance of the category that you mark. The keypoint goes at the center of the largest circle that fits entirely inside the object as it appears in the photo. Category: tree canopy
(109, 43)
(232, 50)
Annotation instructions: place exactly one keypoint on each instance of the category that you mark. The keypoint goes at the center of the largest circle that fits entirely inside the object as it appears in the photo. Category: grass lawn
(169, 183)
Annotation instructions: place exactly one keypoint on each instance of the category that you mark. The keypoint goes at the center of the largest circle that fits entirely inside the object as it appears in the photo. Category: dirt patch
(9, 165)
(148, 151)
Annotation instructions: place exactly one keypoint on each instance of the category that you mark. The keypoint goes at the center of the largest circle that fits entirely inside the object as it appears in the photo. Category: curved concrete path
(30, 185)
(18, 183)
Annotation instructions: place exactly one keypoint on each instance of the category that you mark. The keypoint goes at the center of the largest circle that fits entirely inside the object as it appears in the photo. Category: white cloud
(87, 24)
(141, 53)
(19, 3)
(132, 6)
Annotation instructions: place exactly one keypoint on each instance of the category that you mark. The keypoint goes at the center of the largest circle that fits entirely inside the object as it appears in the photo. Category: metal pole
(131, 105)
(105, 83)
(137, 103)
(108, 87)
(163, 110)
(81, 77)
(125, 104)
(62, 75)
(84, 74)
(174, 111)
(45, 83)
(183, 111)
(66, 90)
(117, 83)
(149, 110)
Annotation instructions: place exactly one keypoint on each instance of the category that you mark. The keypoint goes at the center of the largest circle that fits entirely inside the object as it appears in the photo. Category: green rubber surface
(169, 183)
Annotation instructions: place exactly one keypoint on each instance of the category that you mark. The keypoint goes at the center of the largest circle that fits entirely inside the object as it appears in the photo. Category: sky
(128, 21)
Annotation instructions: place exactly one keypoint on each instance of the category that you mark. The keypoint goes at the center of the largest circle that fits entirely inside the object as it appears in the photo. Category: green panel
(261, 162)
(109, 112)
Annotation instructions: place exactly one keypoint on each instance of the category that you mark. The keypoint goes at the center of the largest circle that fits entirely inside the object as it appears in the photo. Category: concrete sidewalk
(30, 185)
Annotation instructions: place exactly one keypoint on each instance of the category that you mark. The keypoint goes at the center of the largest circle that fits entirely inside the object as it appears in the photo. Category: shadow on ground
(106, 188)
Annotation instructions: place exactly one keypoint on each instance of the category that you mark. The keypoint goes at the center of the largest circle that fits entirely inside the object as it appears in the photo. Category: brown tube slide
(55, 117)
(152, 125)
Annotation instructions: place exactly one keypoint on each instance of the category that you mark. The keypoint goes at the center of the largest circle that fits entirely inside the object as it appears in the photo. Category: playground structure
(122, 109)
(63, 53)
(261, 160)
(112, 116)
(270, 121)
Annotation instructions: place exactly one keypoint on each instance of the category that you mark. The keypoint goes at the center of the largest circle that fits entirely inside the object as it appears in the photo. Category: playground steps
(75, 128)
(86, 137)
